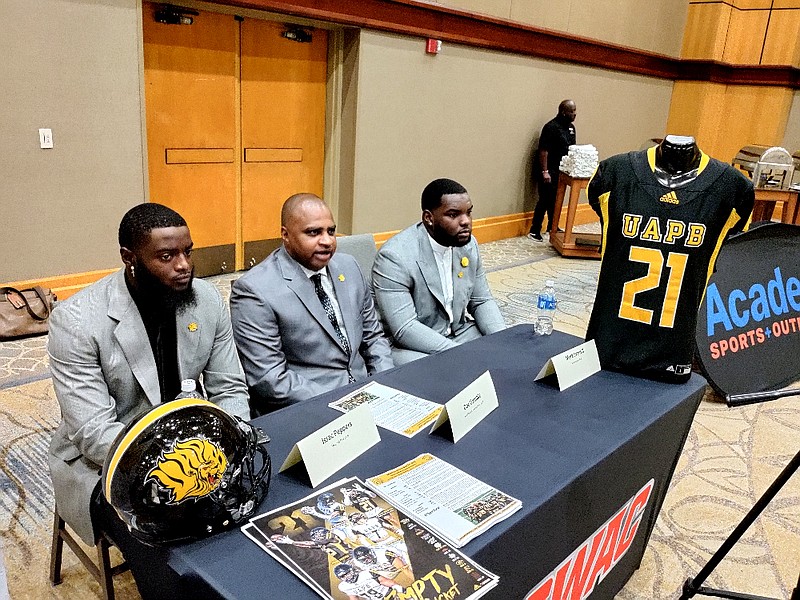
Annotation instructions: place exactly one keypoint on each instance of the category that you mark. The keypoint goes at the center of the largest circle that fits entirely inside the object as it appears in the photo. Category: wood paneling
(786, 4)
(706, 30)
(782, 46)
(427, 19)
(491, 229)
(752, 4)
(190, 79)
(273, 155)
(727, 112)
(714, 72)
(283, 107)
(63, 286)
(753, 115)
(723, 119)
(185, 156)
(697, 109)
(745, 39)
(235, 124)
(502, 227)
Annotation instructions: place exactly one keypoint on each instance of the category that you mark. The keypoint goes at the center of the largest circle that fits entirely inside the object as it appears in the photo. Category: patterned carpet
(730, 457)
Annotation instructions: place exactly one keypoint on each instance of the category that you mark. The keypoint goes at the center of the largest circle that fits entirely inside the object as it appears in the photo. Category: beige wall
(791, 138)
(654, 26)
(72, 66)
(474, 116)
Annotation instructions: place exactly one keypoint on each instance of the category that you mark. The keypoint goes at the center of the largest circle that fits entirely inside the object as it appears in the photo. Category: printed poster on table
(345, 541)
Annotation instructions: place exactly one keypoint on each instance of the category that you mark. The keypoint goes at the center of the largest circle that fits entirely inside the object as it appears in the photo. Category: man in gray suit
(122, 346)
(430, 286)
(303, 319)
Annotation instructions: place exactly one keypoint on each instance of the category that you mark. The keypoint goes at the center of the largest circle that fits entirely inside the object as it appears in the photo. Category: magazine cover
(347, 543)
(268, 546)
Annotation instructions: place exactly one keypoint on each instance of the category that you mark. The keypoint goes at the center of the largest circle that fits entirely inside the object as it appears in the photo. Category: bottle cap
(550, 283)
(188, 385)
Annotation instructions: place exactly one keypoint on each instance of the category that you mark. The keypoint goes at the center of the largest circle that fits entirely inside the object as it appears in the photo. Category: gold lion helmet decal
(192, 468)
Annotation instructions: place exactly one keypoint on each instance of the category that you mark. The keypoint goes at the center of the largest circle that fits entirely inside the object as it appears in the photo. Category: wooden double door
(235, 117)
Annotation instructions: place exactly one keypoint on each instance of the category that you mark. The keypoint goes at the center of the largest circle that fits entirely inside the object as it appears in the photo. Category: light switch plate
(46, 138)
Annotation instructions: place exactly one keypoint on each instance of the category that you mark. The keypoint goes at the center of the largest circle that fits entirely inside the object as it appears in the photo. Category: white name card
(572, 366)
(336, 444)
(468, 408)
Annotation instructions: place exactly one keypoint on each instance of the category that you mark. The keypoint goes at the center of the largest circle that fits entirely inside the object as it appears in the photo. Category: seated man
(303, 319)
(121, 346)
(429, 283)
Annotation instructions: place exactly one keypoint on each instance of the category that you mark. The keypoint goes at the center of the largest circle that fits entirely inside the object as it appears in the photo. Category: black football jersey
(658, 251)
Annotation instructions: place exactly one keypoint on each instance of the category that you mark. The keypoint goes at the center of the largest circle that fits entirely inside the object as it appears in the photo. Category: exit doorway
(235, 116)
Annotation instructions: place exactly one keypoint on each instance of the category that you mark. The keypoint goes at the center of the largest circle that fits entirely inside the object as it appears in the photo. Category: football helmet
(345, 572)
(326, 501)
(365, 555)
(320, 534)
(184, 470)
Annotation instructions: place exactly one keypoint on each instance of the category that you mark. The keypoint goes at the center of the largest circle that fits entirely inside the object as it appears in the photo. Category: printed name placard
(467, 408)
(572, 366)
(336, 444)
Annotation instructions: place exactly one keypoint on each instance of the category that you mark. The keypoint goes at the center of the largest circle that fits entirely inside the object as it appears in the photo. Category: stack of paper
(449, 501)
(580, 160)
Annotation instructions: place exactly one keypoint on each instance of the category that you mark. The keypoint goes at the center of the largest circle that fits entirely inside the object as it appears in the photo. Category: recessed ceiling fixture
(297, 34)
(174, 15)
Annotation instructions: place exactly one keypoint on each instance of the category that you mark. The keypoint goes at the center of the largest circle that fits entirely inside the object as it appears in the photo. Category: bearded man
(121, 346)
(429, 283)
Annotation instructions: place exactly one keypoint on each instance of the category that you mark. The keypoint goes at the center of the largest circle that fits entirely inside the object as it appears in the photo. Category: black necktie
(326, 304)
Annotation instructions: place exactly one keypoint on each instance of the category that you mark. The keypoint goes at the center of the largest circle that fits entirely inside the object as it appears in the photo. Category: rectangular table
(565, 241)
(574, 459)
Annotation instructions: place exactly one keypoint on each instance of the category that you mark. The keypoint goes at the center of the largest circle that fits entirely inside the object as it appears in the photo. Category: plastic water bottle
(546, 309)
(189, 390)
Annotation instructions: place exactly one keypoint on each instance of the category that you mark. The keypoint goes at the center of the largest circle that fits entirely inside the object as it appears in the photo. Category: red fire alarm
(434, 46)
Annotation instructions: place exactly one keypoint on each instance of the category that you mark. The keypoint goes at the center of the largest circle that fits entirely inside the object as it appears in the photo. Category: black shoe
(536, 237)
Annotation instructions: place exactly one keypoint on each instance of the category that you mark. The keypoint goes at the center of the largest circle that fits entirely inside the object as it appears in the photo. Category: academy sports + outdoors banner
(748, 329)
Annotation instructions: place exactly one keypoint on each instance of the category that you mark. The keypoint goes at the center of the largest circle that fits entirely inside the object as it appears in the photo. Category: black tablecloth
(573, 458)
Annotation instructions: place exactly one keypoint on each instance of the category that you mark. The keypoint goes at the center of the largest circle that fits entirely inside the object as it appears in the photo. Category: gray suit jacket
(408, 292)
(288, 347)
(105, 375)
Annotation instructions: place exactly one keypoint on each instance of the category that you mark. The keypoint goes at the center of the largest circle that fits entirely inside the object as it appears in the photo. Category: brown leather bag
(24, 312)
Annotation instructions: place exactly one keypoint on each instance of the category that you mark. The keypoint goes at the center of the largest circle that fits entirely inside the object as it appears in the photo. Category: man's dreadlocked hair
(141, 219)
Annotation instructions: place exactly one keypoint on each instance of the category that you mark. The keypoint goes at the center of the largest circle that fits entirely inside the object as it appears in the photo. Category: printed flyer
(346, 542)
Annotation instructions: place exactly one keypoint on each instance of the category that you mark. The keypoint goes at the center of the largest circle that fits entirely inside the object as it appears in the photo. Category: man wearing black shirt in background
(557, 136)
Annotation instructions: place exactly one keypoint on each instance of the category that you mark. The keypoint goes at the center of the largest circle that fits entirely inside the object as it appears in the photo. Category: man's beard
(158, 295)
(445, 239)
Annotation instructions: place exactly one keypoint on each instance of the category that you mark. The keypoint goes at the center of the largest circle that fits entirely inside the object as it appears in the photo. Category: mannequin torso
(677, 161)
